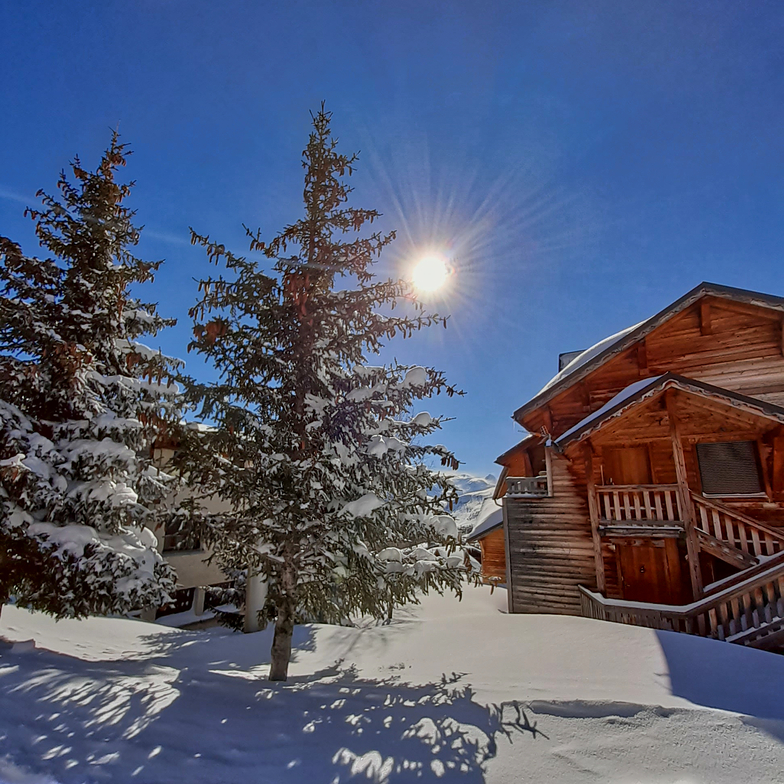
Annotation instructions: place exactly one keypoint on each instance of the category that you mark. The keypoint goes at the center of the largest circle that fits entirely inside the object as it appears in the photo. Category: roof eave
(689, 298)
(764, 409)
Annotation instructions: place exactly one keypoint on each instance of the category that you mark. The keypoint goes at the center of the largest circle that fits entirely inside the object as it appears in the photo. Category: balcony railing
(638, 504)
(527, 487)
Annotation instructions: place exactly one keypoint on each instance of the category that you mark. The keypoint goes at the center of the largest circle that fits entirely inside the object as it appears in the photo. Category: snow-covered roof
(639, 390)
(586, 356)
(527, 440)
(493, 520)
(615, 402)
(614, 344)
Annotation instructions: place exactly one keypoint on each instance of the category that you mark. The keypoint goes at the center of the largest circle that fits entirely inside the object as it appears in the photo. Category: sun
(430, 273)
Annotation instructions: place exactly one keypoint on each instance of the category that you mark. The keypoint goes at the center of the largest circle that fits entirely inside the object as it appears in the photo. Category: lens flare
(430, 273)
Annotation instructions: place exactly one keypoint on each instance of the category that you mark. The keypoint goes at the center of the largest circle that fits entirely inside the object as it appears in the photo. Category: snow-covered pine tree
(81, 402)
(316, 452)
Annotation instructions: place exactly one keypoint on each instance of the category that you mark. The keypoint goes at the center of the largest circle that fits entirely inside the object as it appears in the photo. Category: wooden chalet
(651, 487)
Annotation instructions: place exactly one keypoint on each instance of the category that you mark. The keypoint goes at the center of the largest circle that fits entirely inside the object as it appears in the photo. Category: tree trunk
(255, 599)
(281, 643)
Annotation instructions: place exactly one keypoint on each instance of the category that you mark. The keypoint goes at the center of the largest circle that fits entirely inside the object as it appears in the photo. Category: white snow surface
(449, 691)
(489, 521)
(363, 506)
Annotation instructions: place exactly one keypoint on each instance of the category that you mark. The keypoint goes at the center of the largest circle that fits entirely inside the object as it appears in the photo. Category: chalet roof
(647, 388)
(609, 347)
(528, 440)
(490, 523)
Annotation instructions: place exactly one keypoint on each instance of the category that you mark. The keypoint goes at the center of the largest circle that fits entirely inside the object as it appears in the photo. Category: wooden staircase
(746, 608)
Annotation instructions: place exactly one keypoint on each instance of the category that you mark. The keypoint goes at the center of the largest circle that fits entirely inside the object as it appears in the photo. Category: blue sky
(585, 163)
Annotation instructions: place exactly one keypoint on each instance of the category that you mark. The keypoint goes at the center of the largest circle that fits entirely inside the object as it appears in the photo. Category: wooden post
(782, 335)
(548, 462)
(547, 415)
(593, 511)
(692, 545)
(706, 328)
(762, 449)
(642, 359)
(778, 467)
(508, 556)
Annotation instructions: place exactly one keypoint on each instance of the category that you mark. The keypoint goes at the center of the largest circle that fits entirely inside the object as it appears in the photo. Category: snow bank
(450, 691)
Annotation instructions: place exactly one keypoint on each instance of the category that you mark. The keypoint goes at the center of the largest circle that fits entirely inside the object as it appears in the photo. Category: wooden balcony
(527, 487)
(639, 510)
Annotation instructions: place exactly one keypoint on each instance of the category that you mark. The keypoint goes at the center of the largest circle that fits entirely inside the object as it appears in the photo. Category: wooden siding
(493, 555)
(742, 352)
(551, 550)
(702, 421)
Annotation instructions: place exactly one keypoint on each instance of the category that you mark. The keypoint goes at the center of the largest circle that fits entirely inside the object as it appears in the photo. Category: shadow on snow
(212, 719)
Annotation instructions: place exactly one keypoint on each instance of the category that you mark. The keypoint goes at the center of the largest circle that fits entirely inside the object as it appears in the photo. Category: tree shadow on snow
(147, 722)
(728, 677)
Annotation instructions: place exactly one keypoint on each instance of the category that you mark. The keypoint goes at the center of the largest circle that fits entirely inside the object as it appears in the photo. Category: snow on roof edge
(493, 520)
(614, 402)
(702, 289)
(587, 355)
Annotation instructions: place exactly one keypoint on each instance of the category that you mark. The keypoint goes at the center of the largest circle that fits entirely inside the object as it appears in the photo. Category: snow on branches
(316, 451)
(81, 403)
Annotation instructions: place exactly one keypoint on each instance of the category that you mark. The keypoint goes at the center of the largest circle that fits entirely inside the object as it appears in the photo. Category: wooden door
(649, 570)
(629, 465)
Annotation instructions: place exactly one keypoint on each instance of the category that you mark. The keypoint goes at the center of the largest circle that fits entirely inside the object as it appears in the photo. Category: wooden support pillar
(684, 496)
(508, 556)
(547, 415)
(593, 511)
(778, 467)
(782, 335)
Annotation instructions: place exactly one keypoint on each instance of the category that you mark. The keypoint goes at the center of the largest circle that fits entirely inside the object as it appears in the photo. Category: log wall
(493, 555)
(550, 545)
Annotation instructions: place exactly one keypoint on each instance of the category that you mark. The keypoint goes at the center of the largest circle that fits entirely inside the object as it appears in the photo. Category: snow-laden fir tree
(81, 403)
(316, 452)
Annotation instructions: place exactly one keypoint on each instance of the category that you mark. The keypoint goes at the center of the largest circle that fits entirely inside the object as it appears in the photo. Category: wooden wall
(730, 345)
(494, 555)
(550, 546)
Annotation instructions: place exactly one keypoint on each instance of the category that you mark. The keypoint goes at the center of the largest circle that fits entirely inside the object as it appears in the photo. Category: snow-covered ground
(450, 691)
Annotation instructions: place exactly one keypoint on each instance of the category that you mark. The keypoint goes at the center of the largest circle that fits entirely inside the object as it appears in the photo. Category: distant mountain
(476, 500)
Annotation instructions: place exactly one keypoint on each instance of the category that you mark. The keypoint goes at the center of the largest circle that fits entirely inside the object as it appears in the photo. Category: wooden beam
(706, 328)
(508, 558)
(747, 309)
(726, 552)
(593, 511)
(642, 358)
(778, 467)
(585, 396)
(687, 517)
(762, 451)
(548, 464)
(547, 415)
(651, 463)
(782, 336)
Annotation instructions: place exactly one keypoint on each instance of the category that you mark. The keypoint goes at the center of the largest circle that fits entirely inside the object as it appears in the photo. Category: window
(730, 468)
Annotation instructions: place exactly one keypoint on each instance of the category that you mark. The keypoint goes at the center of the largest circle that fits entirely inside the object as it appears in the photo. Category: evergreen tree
(316, 452)
(81, 402)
